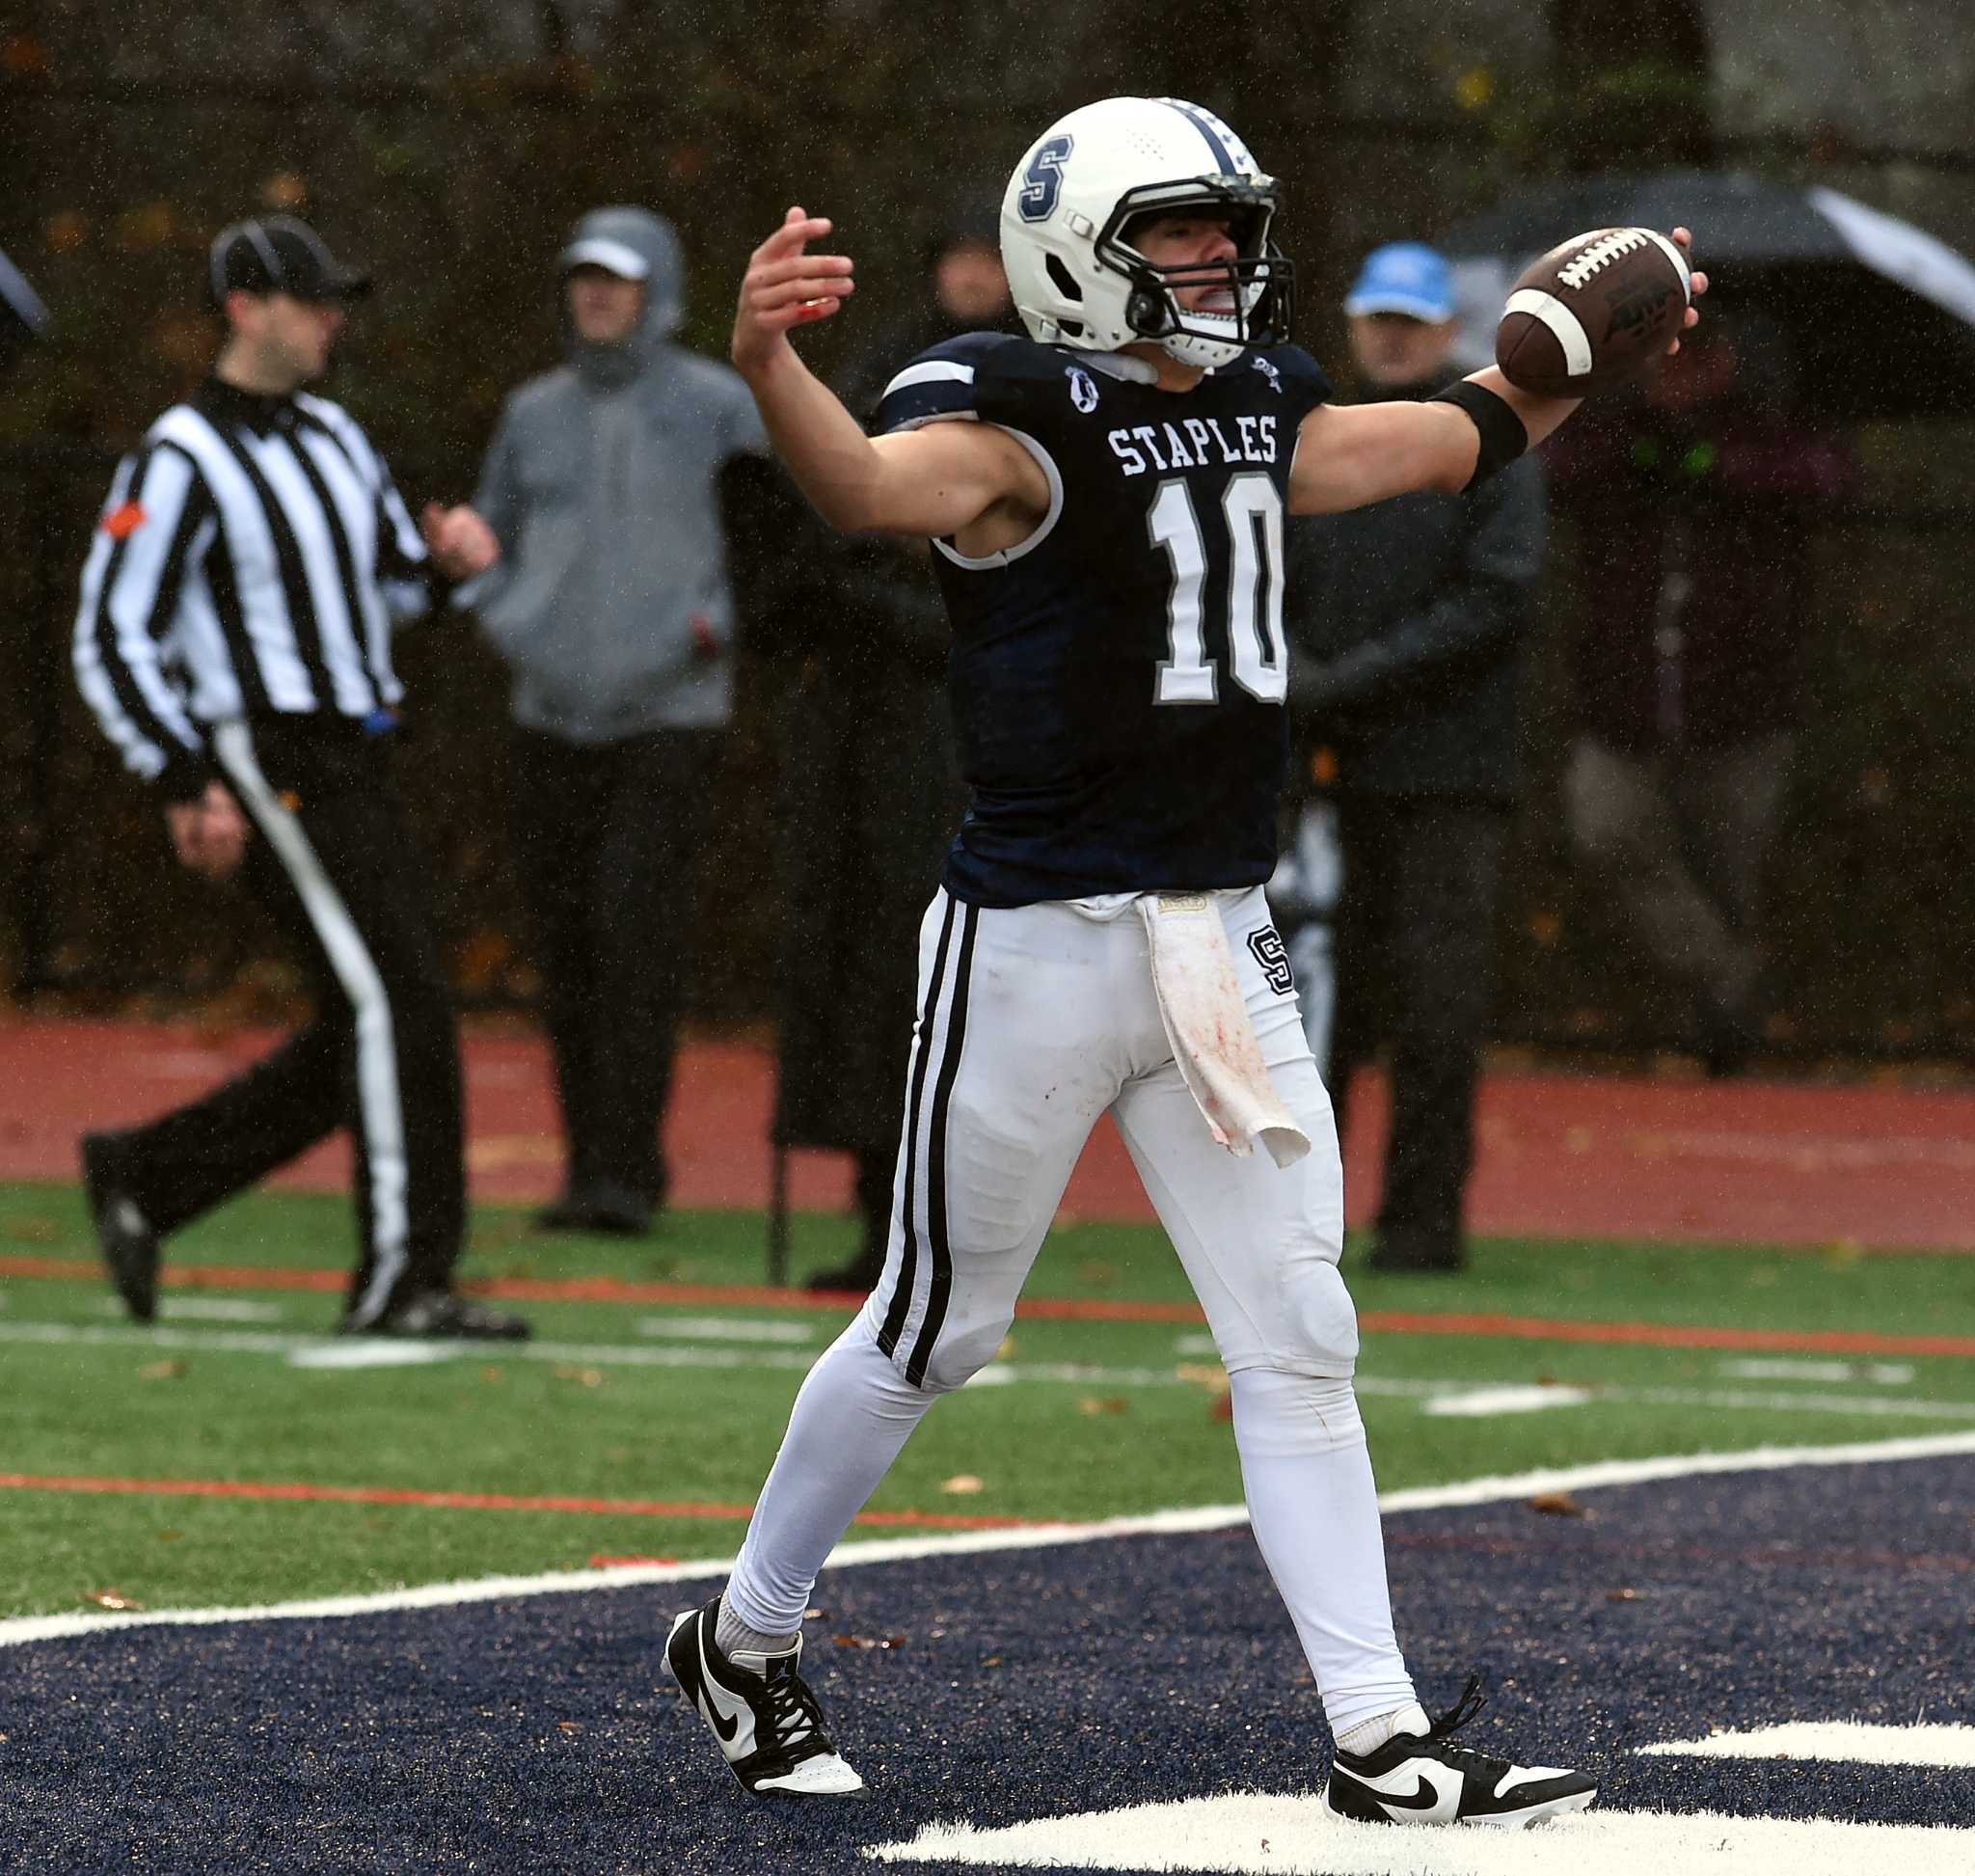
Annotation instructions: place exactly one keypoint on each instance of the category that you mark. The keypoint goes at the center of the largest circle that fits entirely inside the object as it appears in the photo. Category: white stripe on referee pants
(380, 1107)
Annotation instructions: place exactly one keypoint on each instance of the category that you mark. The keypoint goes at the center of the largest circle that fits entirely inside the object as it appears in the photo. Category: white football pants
(1033, 1022)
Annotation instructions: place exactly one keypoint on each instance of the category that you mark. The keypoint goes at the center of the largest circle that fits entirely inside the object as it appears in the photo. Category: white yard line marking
(376, 1351)
(724, 1328)
(1289, 1835)
(1872, 1406)
(887, 1550)
(299, 1347)
(1482, 1403)
(203, 1309)
(1848, 1741)
(218, 1309)
(1764, 1367)
(294, 1346)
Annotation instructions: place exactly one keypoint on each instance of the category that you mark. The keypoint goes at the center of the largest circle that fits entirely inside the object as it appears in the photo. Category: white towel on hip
(1207, 1022)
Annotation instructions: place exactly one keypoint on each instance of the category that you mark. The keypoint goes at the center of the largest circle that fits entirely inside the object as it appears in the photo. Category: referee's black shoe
(442, 1314)
(130, 1246)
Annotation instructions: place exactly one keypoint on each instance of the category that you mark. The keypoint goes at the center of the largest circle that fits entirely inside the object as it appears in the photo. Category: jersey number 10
(1253, 512)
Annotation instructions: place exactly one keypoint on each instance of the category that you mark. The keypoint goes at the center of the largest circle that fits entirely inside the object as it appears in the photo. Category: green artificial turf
(643, 1401)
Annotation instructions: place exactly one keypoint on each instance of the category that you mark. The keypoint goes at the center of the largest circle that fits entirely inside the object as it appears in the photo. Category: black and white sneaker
(759, 1709)
(1410, 1780)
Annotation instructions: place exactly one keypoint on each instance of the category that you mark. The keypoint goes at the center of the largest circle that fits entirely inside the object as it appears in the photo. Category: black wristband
(1503, 436)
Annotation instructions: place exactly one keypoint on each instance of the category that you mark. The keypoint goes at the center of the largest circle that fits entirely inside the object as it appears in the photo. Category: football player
(1105, 500)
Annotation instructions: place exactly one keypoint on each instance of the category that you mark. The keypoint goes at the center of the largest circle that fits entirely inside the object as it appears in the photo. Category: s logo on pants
(1267, 946)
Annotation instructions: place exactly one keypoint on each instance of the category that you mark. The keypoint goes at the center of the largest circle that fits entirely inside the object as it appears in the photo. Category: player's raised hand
(785, 287)
(1682, 239)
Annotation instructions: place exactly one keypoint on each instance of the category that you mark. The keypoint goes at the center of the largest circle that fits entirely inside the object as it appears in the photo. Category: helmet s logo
(1043, 179)
(1083, 390)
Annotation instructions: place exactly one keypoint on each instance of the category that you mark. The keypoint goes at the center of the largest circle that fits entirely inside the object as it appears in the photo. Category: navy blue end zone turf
(540, 1734)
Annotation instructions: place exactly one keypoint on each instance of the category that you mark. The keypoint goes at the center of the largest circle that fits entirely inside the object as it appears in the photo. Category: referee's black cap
(280, 253)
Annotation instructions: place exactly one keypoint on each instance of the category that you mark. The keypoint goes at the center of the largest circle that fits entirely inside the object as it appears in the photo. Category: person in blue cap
(1406, 621)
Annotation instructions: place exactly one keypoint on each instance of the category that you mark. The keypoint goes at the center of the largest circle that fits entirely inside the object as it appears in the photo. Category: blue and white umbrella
(1879, 316)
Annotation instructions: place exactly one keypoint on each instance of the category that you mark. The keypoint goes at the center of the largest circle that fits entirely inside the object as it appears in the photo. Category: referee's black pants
(607, 841)
(333, 858)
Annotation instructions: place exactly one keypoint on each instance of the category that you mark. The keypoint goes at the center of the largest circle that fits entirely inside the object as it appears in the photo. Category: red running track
(1559, 1155)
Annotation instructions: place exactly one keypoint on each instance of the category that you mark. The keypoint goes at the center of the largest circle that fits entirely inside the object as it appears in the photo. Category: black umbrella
(1879, 316)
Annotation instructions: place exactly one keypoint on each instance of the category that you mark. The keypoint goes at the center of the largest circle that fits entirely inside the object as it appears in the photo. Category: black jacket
(1406, 621)
(868, 795)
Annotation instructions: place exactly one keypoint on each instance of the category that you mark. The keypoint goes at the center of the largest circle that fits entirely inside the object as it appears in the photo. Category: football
(1594, 313)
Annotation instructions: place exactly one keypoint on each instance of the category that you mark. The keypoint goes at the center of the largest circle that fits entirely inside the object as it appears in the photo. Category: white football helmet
(1065, 233)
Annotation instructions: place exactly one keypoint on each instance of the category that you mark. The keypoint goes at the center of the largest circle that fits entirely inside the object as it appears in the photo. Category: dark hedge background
(451, 145)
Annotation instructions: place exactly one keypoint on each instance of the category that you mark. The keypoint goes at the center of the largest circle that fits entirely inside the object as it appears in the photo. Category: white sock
(852, 1416)
(733, 1636)
(1369, 1735)
(1314, 1510)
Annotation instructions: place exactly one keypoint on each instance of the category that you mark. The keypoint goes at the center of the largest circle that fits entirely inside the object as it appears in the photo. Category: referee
(233, 641)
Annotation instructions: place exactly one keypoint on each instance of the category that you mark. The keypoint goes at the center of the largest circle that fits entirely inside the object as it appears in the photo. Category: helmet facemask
(1258, 281)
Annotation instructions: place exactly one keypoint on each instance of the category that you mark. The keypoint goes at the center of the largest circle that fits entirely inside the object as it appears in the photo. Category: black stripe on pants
(945, 1042)
(922, 1055)
(940, 1285)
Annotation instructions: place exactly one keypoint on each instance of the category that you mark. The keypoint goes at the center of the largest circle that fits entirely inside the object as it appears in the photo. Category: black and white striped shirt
(251, 560)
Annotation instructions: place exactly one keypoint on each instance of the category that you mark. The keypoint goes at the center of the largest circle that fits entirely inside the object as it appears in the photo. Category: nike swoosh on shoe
(709, 1700)
(692, 1677)
(1423, 1797)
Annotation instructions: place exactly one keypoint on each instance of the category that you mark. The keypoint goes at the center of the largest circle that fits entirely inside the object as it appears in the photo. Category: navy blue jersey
(1118, 677)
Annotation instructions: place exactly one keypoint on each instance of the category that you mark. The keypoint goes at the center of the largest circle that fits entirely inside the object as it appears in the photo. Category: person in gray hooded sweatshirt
(611, 605)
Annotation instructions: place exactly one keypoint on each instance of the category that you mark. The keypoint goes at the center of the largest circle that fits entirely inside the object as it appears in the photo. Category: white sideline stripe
(1764, 1367)
(1561, 320)
(887, 1550)
(723, 1328)
(1851, 1742)
(1482, 1403)
(1289, 1835)
(296, 1346)
(208, 1308)
(198, 1309)
(375, 1352)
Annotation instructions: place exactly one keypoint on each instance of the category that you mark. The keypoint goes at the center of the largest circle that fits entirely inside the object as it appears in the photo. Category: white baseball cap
(599, 251)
